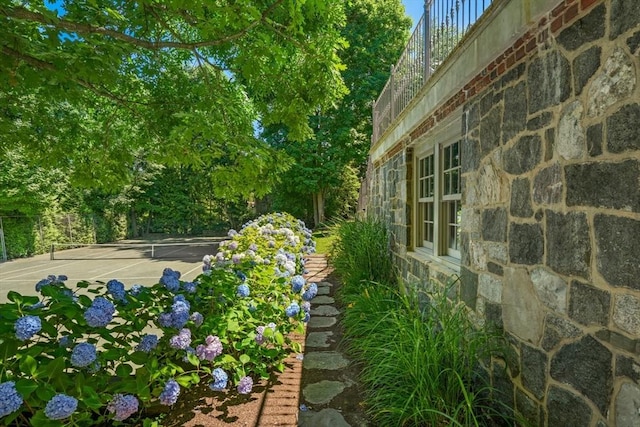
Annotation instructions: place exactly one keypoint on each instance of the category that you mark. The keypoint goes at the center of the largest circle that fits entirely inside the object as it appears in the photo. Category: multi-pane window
(426, 184)
(451, 205)
(439, 200)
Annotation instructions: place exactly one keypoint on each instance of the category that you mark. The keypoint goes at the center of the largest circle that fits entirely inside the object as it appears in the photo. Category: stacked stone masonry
(550, 211)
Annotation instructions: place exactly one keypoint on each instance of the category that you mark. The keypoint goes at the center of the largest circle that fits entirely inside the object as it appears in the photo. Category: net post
(51, 252)
(152, 251)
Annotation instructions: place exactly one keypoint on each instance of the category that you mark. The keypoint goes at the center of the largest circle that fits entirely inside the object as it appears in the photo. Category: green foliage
(93, 87)
(376, 32)
(420, 356)
(361, 252)
(253, 330)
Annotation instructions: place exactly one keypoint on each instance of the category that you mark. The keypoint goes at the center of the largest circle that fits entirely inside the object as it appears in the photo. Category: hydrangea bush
(101, 353)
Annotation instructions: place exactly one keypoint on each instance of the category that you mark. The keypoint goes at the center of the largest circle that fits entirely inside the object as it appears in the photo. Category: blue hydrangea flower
(182, 340)
(27, 326)
(10, 399)
(210, 350)
(100, 313)
(170, 272)
(310, 292)
(293, 309)
(307, 317)
(306, 306)
(136, 290)
(220, 379)
(165, 320)
(259, 335)
(245, 385)
(197, 319)
(171, 283)
(170, 394)
(179, 312)
(189, 287)
(83, 354)
(297, 283)
(123, 405)
(147, 343)
(60, 407)
(64, 341)
(241, 276)
(116, 289)
(243, 291)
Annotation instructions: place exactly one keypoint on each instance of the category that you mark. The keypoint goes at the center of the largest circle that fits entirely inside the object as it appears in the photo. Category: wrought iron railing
(438, 32)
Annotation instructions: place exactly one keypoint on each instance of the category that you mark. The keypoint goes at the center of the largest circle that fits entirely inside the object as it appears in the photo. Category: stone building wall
(551, 211)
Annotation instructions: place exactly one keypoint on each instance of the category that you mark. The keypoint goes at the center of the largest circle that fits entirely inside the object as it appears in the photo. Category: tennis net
(192, 251)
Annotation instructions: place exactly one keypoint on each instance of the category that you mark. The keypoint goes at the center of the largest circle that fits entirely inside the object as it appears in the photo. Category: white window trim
(446, 133)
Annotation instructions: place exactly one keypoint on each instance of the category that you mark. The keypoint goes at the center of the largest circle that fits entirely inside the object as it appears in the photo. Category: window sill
(446, 262)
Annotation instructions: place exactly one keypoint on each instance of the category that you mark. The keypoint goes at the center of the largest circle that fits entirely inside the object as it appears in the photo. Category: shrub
(101, 353)
(420, 362)
(361, 252)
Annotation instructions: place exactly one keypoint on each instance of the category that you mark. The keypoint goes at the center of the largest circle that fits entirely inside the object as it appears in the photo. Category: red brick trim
(558, 18)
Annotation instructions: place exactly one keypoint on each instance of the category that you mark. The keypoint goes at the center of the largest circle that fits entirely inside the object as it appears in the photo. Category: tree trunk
(318, 208)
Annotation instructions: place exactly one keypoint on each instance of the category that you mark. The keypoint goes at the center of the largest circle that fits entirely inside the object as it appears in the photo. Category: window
(438, 195)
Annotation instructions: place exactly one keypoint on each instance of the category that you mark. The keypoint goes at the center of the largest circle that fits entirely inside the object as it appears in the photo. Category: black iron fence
(438, 32)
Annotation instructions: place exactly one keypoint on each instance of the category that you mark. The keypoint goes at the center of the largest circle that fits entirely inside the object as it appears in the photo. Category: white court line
(37, 267)
(118, 269)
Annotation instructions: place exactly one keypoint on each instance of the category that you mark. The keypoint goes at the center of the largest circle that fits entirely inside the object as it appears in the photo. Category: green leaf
(244, 359)
(124, 370)
(184, 380)
(26, 387)
(14, 297)
(28, 365)
(279, 338)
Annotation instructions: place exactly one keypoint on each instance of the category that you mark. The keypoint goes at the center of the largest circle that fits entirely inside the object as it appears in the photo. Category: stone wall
(551, 211)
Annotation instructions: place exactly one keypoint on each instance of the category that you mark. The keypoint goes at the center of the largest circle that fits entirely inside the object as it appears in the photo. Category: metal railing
(438, 32)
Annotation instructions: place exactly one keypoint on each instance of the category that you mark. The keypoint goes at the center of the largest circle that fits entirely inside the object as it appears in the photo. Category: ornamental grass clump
(106, 354)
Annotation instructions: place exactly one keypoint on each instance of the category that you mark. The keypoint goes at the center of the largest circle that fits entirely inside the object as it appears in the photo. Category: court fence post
(3, 247)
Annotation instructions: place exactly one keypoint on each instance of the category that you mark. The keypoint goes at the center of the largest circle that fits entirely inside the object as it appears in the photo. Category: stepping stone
(326, 418)
(322, 392)
(323, 299)
(325, 284)
(321, 322)
(328, 360)
(325, 310)
(318, 339)
(324, 290)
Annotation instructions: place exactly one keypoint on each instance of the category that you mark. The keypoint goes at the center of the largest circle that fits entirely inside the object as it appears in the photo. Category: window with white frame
(438, 194)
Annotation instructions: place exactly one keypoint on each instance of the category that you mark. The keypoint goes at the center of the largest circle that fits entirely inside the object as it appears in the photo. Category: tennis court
(131, 262)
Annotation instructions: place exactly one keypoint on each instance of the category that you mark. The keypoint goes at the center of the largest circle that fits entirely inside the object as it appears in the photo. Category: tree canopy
(98, 86)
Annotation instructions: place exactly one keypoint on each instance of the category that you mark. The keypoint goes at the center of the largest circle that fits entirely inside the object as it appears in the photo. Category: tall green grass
(419, 352)
(361, 253)
(420, 366)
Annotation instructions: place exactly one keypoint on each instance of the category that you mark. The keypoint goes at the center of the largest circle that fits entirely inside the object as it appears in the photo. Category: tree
(95, 86)
(376, 32)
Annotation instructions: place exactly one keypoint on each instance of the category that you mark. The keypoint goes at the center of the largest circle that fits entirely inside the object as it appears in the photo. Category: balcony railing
(438, 32)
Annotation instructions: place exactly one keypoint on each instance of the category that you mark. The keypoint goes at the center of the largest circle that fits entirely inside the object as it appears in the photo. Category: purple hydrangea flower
(236, 258)
(245, 385)
(124, 405)
(220, 379)
(307, 317)
(211, 349)
(100, 313)
(310, 292)
(27, 326)
(232, 233)
(170, 394)
(259, 335)
(197, 319)
(83, 354)
(233, 245)
(60, 407)
(253, 247)
(297, 283)
(116, 289)
(305, 306)
(147, 343)
(182, 340)
(293, 309)
(243, 291)
(10, 399)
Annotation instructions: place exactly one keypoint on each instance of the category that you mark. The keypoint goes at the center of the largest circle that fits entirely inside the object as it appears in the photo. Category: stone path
(329, 391)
